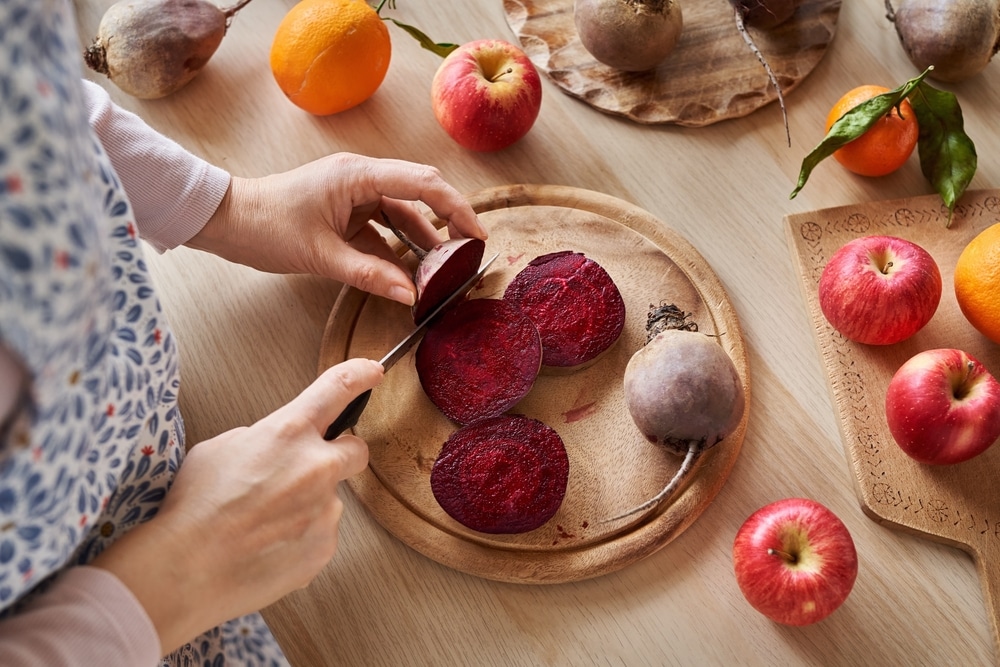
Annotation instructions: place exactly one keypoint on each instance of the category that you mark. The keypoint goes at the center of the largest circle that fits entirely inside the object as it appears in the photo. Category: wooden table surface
(250, 341)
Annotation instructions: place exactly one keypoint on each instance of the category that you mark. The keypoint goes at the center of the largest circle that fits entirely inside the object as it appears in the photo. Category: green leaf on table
(440, 48)
(853, 124)
(947, 155)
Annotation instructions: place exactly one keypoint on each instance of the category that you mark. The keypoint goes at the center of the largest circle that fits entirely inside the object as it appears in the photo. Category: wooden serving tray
(612, 467)
(958, 504)
(712, 74)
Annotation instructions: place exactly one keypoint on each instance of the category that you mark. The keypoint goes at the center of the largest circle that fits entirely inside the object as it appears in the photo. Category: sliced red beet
(574, 303)
(443, 270)
(479, 359)
(503, 474)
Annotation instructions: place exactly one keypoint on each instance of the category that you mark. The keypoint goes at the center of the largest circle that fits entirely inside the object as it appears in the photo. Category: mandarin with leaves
(887, 145)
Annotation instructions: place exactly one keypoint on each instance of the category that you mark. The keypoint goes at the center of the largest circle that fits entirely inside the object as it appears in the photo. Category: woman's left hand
(321, 218)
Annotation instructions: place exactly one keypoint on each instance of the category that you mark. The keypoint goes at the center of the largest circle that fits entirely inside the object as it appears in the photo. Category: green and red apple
(795, 561)
(943, 407)
(879, 290)
(486, 94)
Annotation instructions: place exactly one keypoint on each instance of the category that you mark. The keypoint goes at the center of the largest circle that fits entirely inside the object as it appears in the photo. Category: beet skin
(443, 270)
(479, 359)
(574, 303)
(505, 474)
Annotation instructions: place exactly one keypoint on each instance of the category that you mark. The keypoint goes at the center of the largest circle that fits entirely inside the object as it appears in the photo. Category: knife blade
(349, 417)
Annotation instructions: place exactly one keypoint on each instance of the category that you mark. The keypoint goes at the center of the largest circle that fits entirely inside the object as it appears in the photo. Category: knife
(349, 417)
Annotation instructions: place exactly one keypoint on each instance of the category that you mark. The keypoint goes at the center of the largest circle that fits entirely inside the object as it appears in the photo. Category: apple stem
(788, 558)
(961, 388)
(885, 269)
(495, 78)
(417, 250)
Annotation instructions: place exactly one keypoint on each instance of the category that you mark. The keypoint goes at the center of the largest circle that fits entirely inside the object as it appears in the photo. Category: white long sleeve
(173, 192)
(88, 617)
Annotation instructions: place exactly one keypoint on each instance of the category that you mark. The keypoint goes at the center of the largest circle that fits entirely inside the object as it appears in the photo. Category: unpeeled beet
(151, 48)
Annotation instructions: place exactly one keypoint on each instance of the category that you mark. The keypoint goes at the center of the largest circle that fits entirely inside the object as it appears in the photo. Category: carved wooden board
(959, 504)
(612, 467)
(712, 74)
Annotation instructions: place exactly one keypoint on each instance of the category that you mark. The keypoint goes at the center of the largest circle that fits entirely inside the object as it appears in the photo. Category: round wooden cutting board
(710, 76)
(612, 467)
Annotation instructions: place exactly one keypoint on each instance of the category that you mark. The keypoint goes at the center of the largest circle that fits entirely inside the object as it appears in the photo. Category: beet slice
(479, 359)
(575, 304)
(443, 270)
(505, 474)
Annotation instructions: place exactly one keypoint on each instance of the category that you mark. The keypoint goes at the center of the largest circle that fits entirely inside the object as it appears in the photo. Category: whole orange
(977, 282)
(330, 55)
(886, 145)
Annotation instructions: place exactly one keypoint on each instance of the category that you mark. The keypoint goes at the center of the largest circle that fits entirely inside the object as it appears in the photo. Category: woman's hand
(252, 515)
(321, 218)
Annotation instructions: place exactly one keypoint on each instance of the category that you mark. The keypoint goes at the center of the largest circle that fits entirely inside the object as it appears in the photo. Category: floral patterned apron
(95, 444)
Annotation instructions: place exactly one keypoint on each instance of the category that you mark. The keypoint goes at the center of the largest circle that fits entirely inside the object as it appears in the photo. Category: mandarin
(977, 282)
(330, 55)
(886, 146)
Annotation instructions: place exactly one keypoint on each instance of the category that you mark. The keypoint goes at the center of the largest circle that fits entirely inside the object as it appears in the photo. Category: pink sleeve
(87, 617)
(173, 192)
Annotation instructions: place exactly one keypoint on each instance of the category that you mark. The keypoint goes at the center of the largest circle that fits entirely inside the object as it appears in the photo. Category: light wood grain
(711, 75)
(250, 341)
(612, 466)
(956, 504)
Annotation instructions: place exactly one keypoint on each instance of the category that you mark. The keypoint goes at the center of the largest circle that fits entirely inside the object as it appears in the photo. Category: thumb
(323, 400)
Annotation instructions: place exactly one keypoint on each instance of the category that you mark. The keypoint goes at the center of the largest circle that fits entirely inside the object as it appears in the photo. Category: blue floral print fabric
(95, 443)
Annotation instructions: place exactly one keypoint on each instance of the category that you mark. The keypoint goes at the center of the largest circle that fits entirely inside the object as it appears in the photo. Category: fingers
(405, 217)
(410, 181)
(362, 265)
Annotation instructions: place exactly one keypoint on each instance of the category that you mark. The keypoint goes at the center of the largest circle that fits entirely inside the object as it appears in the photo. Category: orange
(330, 55)
(977, 282)
(886, 145)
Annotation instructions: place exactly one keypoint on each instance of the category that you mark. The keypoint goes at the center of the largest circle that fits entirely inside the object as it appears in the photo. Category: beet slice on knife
(479, 359)
(574, 303)
(443, 270)
(505, 474)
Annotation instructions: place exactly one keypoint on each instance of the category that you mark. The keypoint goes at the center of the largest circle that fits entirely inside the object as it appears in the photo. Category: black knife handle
(349, 417)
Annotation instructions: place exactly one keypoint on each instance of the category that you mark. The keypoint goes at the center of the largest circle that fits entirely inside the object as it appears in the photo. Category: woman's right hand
(252, 515)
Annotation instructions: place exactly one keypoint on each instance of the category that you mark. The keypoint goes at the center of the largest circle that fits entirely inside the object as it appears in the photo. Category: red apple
(879, 290)
(795, 561)
(943, 407)
(486, 94)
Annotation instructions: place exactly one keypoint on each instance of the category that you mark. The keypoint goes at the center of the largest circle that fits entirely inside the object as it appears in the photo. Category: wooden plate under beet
(955, 504)
(612, 467)
(712, 74)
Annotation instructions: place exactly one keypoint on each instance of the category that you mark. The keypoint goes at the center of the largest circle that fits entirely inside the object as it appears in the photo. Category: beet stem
(230, 12)
(695, 449)
(417, 250)
(767, 68)
(96, 57)
(890, 13)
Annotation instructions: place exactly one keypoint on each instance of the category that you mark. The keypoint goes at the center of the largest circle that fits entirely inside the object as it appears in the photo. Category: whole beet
(683, 392)
(630, 35)
(958, 37)
(682, 387)
(151, 48)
